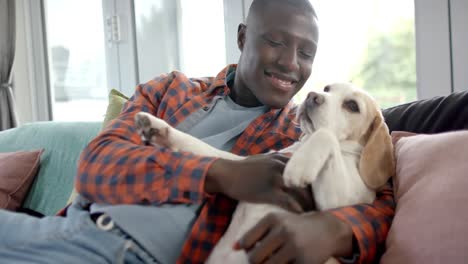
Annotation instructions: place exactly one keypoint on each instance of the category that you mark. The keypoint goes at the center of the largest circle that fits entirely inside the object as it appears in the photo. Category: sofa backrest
(434, 115)
(62, 143)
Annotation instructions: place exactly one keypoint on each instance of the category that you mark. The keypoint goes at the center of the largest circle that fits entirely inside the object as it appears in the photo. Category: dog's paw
(152, 130)
(295, 173)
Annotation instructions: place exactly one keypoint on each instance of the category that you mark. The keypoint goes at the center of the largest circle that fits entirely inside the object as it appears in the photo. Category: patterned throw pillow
(116, 103)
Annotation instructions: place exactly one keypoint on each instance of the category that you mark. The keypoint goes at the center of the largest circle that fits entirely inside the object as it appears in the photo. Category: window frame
(459, 42)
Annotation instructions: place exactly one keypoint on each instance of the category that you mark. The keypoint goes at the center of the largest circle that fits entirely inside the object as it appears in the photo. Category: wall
(441, 46)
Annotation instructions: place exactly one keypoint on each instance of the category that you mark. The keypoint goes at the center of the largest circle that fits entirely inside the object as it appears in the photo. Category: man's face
(278, 48)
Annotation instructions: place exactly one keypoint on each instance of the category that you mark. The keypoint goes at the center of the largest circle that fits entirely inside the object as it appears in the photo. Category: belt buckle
(104, 222)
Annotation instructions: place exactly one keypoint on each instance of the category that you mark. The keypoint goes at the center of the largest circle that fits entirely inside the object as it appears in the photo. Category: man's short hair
(258, 5)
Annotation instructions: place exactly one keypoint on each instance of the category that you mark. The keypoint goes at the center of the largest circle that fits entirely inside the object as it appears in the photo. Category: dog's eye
(327, 89)
(352, 106)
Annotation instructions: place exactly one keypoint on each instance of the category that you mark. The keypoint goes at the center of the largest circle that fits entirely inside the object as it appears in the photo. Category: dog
(345, 153)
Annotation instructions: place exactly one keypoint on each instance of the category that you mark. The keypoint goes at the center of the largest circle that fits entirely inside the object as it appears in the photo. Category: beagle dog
(345, 153)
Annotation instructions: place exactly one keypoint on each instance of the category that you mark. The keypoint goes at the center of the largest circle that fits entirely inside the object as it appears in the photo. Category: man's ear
(241, 30)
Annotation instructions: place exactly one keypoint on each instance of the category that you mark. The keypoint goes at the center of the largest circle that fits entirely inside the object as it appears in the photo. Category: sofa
(62, 142)
(58, 144)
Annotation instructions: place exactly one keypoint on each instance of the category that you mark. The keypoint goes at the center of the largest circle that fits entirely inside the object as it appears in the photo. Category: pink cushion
(431, 218)
(17, 172)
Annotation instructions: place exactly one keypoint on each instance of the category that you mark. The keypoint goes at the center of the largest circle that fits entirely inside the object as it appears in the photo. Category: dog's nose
(315, 98)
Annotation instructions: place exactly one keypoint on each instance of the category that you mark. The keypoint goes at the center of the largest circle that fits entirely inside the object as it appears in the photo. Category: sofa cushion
(430, 192)
(17, 172)
(62, 143)
(438, 114)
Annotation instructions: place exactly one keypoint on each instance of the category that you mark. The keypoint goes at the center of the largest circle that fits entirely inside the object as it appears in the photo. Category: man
(146, 203)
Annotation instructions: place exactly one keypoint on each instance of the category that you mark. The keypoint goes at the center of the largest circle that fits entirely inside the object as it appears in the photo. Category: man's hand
(257, 179)
(292, 238)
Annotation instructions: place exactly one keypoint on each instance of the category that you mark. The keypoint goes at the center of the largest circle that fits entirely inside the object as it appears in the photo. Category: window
(184, 35)
(202, 37)
(94, 46)
(370, 43)
(77, 62)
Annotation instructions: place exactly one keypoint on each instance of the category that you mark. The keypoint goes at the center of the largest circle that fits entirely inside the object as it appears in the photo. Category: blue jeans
(72, 239)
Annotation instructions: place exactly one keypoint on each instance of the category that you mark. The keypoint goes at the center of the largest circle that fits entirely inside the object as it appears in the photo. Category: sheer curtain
(7, 54)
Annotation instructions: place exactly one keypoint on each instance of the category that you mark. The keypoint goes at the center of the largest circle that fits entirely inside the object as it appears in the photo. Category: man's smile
(281, 81)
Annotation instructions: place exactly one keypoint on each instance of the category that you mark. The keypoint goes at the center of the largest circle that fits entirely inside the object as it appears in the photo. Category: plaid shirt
(117, 168)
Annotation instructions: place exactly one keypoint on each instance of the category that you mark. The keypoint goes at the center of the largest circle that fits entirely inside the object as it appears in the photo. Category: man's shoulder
(180, 80)
(202, 82)
(180, 77)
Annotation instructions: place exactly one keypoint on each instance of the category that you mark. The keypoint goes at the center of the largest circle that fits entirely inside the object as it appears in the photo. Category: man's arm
(370, 223)
(317, 236)
(117, 168)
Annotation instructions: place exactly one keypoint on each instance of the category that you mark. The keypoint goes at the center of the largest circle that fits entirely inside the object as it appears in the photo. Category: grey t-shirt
(224, 123)
(162, 229)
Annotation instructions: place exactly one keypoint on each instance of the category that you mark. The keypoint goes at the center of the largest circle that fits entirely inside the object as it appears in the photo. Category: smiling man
(144, 204)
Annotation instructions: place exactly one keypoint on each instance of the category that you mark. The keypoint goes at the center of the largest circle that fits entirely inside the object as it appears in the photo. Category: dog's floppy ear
(377, 162)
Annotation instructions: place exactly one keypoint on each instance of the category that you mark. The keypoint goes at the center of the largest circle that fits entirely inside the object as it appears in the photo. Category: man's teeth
(282, 81)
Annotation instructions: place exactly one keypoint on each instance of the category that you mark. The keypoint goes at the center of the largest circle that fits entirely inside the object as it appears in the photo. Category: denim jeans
(72, 239)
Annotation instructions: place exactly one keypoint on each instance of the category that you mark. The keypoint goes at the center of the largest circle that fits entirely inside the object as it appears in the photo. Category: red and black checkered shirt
(117, 168)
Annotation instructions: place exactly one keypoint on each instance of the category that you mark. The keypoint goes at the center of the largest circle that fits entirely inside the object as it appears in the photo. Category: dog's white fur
(344, 155)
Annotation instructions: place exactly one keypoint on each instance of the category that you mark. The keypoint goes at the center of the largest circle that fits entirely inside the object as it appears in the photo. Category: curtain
(7, 54)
